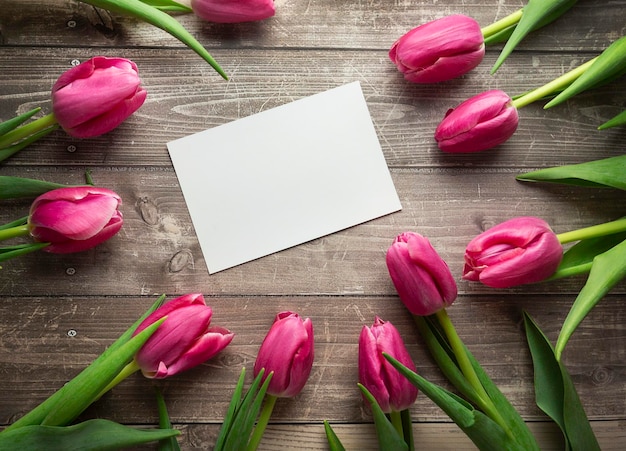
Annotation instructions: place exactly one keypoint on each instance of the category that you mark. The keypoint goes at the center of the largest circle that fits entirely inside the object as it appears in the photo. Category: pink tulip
(96, 96)
(479, 123)
(392, 390)
(75, 219)
(421, 277)
(518, 251)
(233, 11)
(287, 350)
(439, 50)
(184, 340)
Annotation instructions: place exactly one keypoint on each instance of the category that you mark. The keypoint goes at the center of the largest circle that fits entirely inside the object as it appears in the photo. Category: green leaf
(168, 5)
(16, 223)
(618, 120)
(9, 252)
(160, 19)
(486, 434)
(15, 148)
(500, 36)
(536, 14)
(7, 126)
(608, 172)
(388, 437)
(610, 65)
(91, 435)
(91, 374)
(20, 187)
(579, 258)
(169, 443)
(555, 393)
(607, 269)
(334, 444)
(233, 407)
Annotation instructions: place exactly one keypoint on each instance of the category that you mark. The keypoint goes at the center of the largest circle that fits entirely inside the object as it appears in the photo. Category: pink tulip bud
(75, 219)
(96, 96)
(479, 123)
(421, 277)
(439, 50)
(392, 390)
(233, 11)
(287, 351)
(518, 251)
(184, 340)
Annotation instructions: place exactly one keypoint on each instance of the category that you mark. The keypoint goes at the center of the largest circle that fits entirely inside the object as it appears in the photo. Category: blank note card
(283, 177)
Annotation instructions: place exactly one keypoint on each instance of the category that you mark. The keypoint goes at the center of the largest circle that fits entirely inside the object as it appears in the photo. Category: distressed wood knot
(148, 211)
(180, 260)
(602, 376)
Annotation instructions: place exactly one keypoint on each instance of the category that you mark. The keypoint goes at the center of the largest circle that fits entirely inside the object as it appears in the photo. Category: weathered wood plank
(157, 250)
(314, 24)
(405, 115)
(44, 341)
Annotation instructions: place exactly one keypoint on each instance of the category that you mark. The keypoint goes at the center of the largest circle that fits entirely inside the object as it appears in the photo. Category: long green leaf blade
(168, 443)
(555, 393)
(607, 269)
(610, 65)
(233, 407)
(21, 187)
(90, 435)
(608, 172)
(7, 126)
(536, 14)
(168, 5)
(160, 19)
(334, 444)
(618, 120)
(388, 437)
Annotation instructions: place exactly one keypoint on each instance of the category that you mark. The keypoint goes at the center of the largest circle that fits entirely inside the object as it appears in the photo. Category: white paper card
(283, 177)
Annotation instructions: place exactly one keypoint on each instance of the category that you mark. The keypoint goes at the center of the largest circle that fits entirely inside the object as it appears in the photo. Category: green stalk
(396, 420)
(25, 131)
(608, 228)
(129, 369)
(558, 84)
(264, 418)
(458, 348)
(13, 232)
(502, 24)
(407, 428)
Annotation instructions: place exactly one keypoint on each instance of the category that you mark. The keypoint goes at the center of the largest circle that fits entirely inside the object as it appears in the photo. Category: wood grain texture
(57, 313)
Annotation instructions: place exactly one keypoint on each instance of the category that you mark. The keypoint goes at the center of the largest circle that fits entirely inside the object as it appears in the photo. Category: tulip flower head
(481, 122)
(75, 219)
(392, 390)
(233, 11)
(287, 351)
(96, 96)
(183, 341)
(422, 278)
(439, 50)
(516, 252)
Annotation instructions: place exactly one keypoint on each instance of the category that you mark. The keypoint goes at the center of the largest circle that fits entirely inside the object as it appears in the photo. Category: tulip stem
(558, 84)
(13, 232)
(264, 418)
(608, 228)
(458, 348)
(502, 24)
(396, 420)
(129, 369)
(27, 130)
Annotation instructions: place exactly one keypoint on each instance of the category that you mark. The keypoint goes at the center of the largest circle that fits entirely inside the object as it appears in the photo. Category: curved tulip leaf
(536, 14)
(618, 120)
(15, 148)
(388, 437)
(608, 66)
(168, 443)
(7, 253)
(579, 258)
(18, 187)
(168, 5)
(7, 126)
(334, 444)
(486, 434)
(97, 374)
(607, 269)
(555, 393)
(608, 172)
(90, 435)
(160, 19)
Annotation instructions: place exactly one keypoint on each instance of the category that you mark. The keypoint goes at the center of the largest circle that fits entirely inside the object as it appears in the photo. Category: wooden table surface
(58, 312)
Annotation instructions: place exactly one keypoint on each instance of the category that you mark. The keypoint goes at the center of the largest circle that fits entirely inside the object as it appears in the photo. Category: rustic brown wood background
(57, 313)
